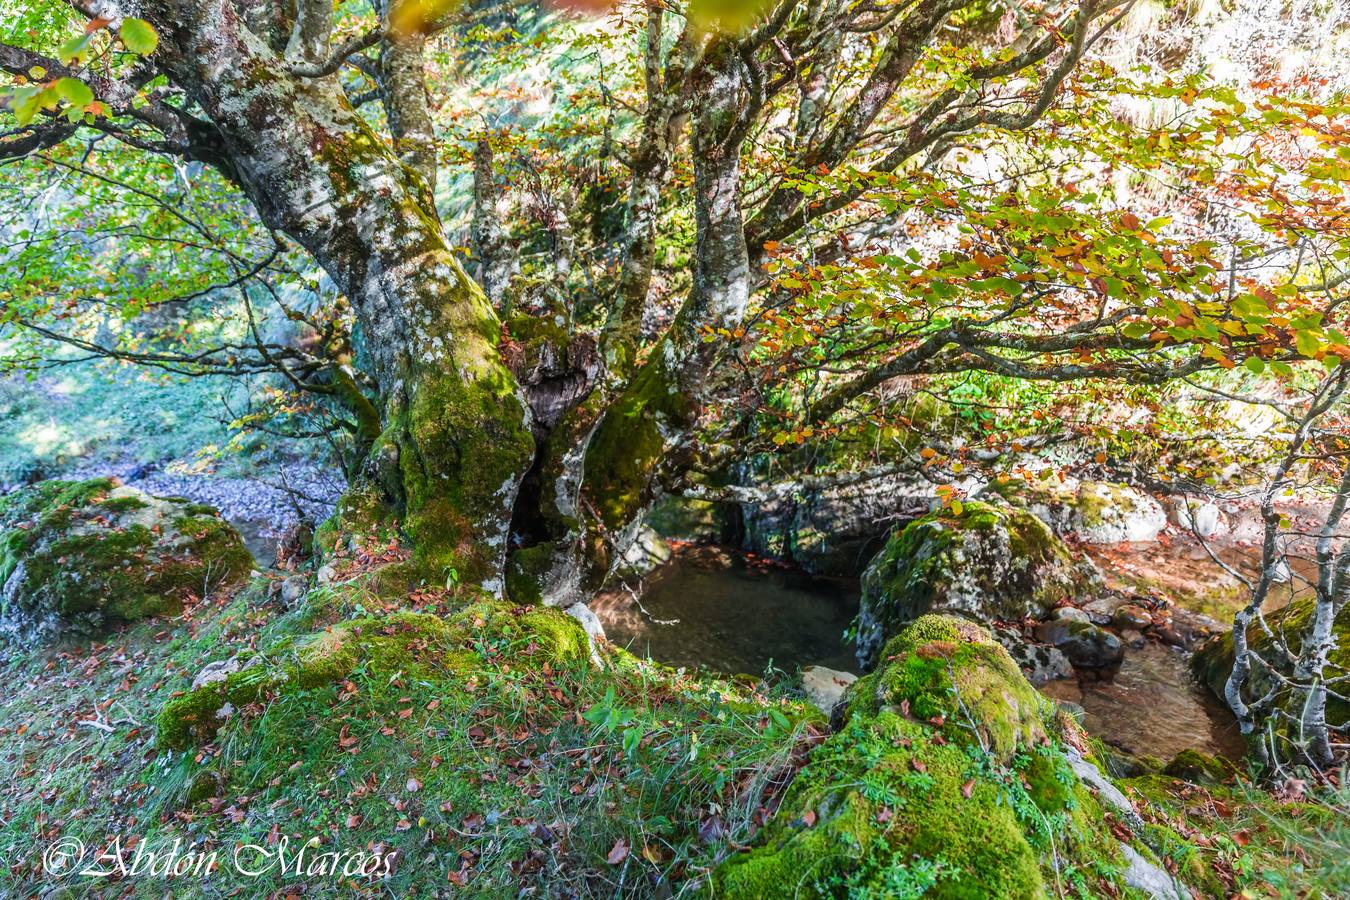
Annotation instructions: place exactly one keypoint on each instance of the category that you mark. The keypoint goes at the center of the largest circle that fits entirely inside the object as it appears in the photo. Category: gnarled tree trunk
(607, 462)
(456, 438)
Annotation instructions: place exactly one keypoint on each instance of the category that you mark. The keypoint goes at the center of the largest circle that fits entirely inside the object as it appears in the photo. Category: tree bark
(665, 92)
(406, 106)
(494, 261)
(456, 439)
(654, 417)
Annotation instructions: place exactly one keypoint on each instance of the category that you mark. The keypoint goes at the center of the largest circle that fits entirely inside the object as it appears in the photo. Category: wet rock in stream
(1085, 645)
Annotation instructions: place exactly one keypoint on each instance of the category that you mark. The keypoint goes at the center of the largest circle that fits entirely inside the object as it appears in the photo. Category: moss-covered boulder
(949, 778)
(987, 562)
(1213, 662)
(835, 530)
(76, 556)
(1094, 512)
(1199, 768)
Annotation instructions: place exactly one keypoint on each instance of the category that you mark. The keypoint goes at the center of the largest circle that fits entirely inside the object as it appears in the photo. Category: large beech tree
(814, 130)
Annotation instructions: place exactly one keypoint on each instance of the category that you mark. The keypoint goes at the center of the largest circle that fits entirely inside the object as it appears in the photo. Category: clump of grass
(1292, 840)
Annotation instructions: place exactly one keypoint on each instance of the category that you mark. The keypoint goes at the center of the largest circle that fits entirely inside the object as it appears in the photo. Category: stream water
(258, 538)
(1153, 706)
(714, 608)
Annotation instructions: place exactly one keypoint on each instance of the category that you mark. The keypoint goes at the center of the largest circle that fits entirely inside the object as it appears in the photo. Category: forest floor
(493, 760)
(500, 768)
(503, 764)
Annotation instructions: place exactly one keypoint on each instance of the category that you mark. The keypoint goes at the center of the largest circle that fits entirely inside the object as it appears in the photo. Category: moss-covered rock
(988, 562)
(690, 520)
(834, 530)
(1095, 512)
(1198, 768)
(76, 556)
(948, 779)
(411, 644)
(1213, 662)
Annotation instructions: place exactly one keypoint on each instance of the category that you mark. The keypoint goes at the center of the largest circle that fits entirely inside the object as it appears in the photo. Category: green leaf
(1306, 343)
(24, 101)
(1254, 364)
(74, 92)
(138, 36)
(68, 52)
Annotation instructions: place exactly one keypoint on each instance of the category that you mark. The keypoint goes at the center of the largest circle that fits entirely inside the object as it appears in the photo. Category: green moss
(460, 446)
(92, 553)
(1049, 780)
(1213, 662)
(413, 645)
(525, 572)
(404, 642)
(1095, 506)
(122, 504)
(629, 441)
(678, 517)
(25, 516)
(976, 843)
(537, 335)
(1197, 768)
(941, 667)
(362, 516)
(1279, 845)
(946, 780)
(986, 561)
(204, 786)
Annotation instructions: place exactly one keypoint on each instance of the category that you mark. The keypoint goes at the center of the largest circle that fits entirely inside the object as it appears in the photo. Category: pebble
(293, 589)
(1132, 616)
(824, 688)
(1170, 636)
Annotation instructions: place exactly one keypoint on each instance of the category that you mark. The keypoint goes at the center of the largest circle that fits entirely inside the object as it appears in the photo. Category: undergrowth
(491, 768)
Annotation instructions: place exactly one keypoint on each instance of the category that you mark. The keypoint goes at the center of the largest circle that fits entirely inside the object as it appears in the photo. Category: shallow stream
(1153, 707)
(715, 608)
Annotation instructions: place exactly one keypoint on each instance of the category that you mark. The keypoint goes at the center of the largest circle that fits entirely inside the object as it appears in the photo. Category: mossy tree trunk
(456, 440)
(610, 460)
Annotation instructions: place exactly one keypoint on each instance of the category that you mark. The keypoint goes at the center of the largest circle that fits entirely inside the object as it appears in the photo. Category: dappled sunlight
(627, 449)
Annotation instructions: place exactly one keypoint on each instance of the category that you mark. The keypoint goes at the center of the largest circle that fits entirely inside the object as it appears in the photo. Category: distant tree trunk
(494, 260)
(665, 94)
